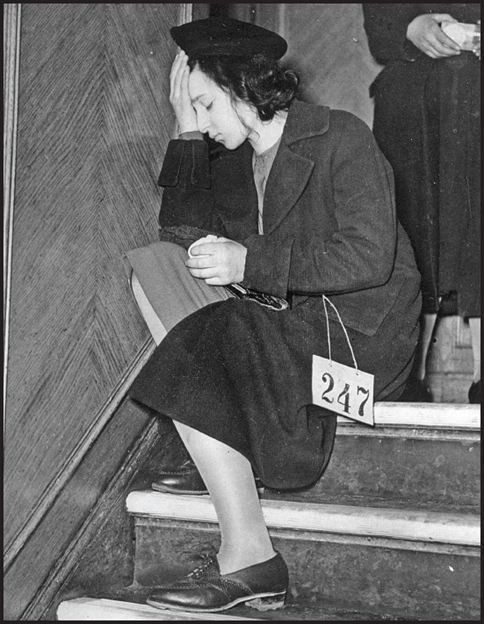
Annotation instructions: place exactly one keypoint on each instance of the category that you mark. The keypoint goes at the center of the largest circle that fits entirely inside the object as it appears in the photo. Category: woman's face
(215, 111)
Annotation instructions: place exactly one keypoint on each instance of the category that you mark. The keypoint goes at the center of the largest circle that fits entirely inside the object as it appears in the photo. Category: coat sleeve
(360, 254)
(186, 181)
(386, 28)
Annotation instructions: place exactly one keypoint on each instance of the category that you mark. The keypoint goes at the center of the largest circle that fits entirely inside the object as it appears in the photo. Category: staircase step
(422, 526)
(129, 608)
(391, 531)
(103, 609)
(427, 468)
(391, 562)
(436, 415)
(397, 463)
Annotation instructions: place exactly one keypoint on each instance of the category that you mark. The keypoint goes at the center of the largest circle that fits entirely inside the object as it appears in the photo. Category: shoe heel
(268, 603)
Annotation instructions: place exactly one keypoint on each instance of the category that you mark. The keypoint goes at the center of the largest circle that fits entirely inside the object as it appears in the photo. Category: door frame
(11, 62)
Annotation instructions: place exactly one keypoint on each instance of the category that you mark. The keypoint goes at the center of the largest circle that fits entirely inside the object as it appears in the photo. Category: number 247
(344, 396)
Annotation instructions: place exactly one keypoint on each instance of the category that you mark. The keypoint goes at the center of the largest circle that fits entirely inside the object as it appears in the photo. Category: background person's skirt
(428, 124)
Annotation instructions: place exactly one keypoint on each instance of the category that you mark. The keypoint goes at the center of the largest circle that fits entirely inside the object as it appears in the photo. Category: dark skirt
(427, 123)
(241, 373)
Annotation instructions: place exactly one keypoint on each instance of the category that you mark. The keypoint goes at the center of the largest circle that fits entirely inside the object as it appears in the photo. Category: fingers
(443, 17)
(179, 74)
(477, 49)
(443, 42)
(215, 281)
(210, 238)
(180, 96)
(222, 260)
(425, 33)
(201, 258)
(436, 49)
(207, 263)
(207, 248)
(205, 274)
(180, 60)
(438, 45)
(204, 262)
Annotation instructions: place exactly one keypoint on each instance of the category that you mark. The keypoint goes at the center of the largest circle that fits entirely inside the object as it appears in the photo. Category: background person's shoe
(185, 479)
(416, 391)
(475, 392)
(262, 586)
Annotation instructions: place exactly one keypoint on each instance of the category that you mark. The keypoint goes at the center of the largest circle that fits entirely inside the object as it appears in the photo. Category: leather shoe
(185, 479)
(475, 392)
(416, 391)
(262, 586)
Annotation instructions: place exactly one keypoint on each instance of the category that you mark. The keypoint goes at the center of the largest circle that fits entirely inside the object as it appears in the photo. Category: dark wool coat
(241, 372)
(427, 123)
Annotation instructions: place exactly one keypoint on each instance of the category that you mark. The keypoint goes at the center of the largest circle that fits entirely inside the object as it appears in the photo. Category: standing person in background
(427, 123)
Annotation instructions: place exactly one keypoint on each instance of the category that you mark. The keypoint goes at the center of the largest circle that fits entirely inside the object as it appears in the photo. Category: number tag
(342, 389)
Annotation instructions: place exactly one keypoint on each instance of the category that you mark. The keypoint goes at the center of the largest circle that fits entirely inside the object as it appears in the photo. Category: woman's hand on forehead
(179, 96)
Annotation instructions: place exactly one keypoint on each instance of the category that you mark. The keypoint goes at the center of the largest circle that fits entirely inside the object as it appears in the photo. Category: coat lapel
(288, 178)
(291, 171)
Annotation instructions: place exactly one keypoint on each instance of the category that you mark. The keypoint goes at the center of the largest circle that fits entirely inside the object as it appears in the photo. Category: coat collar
(305, 121)
(291, 171)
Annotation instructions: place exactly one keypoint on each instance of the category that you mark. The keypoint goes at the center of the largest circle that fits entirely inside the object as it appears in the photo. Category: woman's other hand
(179, 96)
(426, 34)
(219, 263)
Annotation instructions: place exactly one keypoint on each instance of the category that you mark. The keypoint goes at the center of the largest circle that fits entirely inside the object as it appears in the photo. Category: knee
(168, 248)
(169, 254)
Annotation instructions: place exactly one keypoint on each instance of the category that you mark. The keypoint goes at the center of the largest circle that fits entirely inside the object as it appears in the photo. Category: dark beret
(224, 36)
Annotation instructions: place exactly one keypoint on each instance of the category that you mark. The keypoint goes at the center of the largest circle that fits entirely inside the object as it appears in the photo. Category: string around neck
(325, 299)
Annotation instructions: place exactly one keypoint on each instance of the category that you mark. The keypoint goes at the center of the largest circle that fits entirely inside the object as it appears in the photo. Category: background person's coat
(242, 373)
(427, 123)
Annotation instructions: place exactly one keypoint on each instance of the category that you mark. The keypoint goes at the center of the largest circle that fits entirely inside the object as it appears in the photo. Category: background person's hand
(477, 49)
(179, 95)
(219, 263)
(426, 34)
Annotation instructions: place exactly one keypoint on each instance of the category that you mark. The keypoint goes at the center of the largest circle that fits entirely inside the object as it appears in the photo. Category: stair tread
(329, 498)
(103, 609)
(421, 468)
(403, 524)
(130, 606)
(438, 415)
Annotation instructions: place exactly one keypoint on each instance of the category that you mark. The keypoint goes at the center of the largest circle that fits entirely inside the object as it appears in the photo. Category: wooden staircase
(391, 531)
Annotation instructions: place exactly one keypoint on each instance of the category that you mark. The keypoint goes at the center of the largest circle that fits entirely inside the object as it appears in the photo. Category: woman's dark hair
(259, 81)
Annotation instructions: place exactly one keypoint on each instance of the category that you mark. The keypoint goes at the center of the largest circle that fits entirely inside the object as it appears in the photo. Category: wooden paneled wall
(94, 120)
(327, 46)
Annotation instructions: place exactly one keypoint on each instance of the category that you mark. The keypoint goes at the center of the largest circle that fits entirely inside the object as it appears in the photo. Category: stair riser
(413, 472)
(329, 570)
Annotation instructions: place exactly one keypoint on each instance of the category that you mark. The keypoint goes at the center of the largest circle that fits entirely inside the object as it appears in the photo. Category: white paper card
(342, 389)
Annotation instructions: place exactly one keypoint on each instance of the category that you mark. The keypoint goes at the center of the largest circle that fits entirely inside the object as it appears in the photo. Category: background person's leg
(428, 328)
(475, 389)
(475, 327)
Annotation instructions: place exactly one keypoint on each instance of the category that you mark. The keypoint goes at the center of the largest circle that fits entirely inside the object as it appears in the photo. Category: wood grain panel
(94, 121)
(329, 49)
(37, 574)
